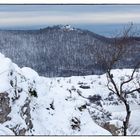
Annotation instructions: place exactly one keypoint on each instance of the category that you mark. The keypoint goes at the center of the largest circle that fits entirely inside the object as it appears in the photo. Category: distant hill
(61, 50)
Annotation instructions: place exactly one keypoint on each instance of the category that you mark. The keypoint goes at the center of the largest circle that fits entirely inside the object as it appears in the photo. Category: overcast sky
(12, 16)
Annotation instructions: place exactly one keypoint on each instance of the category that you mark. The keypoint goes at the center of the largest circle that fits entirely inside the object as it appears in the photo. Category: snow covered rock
(14, 97)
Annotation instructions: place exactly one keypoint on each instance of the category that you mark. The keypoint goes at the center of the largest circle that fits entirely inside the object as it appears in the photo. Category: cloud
(56, 17)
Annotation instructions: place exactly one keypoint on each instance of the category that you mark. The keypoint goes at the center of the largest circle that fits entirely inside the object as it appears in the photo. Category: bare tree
(109, 59)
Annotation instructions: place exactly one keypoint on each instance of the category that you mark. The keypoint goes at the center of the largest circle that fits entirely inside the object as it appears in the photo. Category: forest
(61, 51)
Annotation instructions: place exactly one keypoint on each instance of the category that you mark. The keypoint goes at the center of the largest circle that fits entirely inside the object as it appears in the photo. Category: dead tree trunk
(127, 118)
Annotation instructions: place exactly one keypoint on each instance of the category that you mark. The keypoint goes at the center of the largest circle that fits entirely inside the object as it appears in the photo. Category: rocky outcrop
(113, 129)
(5, 108)
(25, 113)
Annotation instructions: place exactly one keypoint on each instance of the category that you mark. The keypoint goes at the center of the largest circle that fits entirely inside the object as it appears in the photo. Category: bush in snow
(99, 115)
(75, 123)
(32, 89)
(95, 99)
(33, 92)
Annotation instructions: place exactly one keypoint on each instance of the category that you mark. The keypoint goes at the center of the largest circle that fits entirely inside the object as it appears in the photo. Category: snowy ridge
(53, 106)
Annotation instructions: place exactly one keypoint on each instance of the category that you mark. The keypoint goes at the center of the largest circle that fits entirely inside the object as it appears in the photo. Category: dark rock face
(61, 52)
(25, 112)
(25, 115)
(5, 108)
(114, 130)
(18, 132)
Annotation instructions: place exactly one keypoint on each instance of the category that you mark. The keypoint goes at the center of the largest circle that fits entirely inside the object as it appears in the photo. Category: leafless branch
(130, 79)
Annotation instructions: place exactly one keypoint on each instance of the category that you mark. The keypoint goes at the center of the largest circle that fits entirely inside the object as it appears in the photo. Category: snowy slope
(44, 119)
(52, 106)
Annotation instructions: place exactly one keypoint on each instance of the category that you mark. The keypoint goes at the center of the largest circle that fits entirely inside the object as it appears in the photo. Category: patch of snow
(29, 73)
(5, 131)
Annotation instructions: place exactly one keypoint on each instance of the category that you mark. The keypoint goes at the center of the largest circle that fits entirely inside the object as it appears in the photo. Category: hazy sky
(85, 16)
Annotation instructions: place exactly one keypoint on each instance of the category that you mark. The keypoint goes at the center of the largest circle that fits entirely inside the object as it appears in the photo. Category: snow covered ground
(52, 106)
(5, 131)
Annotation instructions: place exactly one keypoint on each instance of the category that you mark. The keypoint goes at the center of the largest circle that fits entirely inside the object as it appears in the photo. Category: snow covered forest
(62, 50)
(66, 81)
